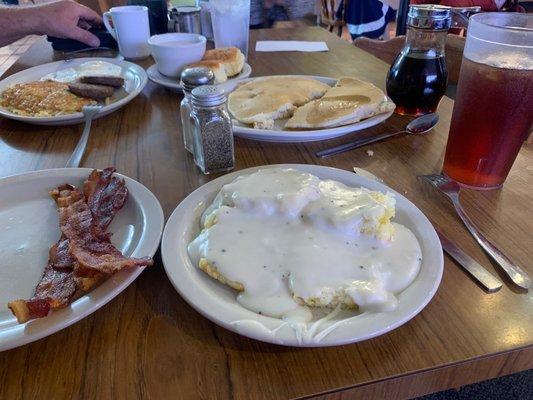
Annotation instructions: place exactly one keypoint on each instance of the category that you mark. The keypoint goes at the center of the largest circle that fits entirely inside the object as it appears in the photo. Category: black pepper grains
(212, 130)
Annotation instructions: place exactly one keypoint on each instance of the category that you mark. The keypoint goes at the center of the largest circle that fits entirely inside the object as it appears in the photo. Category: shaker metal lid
(196, 76)
(208, 96)
(186, 9)
(429, 16)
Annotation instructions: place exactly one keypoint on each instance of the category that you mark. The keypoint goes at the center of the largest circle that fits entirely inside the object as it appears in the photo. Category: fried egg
(89, 68)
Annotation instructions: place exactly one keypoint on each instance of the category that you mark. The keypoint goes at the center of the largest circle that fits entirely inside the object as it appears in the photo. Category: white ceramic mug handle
(107, 25)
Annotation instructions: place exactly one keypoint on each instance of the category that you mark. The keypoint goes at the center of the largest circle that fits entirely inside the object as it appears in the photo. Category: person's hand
(68, 20)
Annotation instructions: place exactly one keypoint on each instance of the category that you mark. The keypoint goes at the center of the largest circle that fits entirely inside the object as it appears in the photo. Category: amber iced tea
(493, 111)
(492, 117)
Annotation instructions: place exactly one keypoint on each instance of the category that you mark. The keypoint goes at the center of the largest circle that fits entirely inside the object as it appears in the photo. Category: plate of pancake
(227, 63)
(302, 255)
(55, 93)
(299, 108)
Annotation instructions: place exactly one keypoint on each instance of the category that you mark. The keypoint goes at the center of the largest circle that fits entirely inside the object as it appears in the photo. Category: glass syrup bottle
(418, 77)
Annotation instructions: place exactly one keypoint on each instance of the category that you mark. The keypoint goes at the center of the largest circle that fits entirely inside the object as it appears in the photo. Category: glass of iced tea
(493, 111)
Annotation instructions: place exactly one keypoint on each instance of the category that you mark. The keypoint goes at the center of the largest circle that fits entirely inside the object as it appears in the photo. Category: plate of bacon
(71, 240)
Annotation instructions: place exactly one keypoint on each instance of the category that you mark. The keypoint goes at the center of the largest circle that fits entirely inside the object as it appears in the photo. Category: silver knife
(478, 272)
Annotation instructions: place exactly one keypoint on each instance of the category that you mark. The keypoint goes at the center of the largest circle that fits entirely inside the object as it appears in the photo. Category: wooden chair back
(328, 15)
(328, 11)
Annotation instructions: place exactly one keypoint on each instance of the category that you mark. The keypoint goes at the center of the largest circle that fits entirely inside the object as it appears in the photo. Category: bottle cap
(196, 76)
(429, 16)
(208, 96)
(186, 9)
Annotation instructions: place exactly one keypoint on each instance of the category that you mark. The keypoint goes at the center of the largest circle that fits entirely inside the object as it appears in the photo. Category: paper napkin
(290, 45)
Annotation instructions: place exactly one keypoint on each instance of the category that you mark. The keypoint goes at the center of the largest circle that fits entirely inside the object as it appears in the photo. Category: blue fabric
(367, 17)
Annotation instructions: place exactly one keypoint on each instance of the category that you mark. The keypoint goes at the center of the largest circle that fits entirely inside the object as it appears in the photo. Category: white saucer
(173, 83)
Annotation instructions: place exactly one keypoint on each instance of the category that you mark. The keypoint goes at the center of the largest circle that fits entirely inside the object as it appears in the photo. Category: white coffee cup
(130, 29)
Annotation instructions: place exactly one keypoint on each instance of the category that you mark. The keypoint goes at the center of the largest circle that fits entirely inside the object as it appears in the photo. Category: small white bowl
(172, 51)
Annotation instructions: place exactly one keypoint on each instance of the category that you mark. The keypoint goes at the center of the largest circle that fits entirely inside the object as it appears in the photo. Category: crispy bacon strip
(88, 242)
(56, 287)
(89, 245)
(103, 196)
(55, 290)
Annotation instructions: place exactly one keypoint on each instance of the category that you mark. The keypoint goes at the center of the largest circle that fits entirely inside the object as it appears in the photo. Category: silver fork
(451, 190)
(89, 112)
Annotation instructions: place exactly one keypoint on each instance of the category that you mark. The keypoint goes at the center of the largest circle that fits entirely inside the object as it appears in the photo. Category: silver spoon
(417, 126)
(89, 112)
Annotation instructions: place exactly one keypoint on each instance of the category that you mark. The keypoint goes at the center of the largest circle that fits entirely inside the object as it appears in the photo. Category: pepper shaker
(191, 78)
(212, 130)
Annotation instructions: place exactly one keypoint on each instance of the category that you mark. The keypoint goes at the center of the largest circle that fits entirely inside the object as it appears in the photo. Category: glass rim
(478, 18)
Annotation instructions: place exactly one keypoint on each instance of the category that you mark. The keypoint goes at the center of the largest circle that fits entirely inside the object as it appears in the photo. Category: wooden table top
(149, 343)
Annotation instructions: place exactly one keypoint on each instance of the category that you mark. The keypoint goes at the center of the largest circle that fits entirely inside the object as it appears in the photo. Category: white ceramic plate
(29, 221)
(218, 302)
(290, 136)
(174, 84)
(135, 79)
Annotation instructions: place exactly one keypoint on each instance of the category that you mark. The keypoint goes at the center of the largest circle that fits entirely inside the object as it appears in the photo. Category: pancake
(350, 100)
(263, 100)
(231, 57)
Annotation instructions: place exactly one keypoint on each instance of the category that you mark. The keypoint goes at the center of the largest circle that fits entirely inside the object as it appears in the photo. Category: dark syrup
(416, 84)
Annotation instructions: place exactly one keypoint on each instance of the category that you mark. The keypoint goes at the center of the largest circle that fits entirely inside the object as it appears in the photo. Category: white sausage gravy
(292, 241)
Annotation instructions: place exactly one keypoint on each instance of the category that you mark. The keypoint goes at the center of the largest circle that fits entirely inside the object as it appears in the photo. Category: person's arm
(63, 19)
(486, 5)
(424, 2)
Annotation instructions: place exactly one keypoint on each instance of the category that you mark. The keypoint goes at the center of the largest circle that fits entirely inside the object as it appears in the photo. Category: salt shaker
(212, 130)
(191, 78)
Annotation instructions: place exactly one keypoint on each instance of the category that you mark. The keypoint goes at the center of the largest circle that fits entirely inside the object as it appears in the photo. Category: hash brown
(42, 99)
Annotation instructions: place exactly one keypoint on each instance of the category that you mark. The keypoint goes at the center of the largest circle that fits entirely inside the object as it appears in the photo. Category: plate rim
(173, 223)
(152, 70)
(153, 215)
(78, 116)
(309, 135)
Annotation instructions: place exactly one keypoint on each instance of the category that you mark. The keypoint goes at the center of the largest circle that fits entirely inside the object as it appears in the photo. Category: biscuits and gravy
(290, 242)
